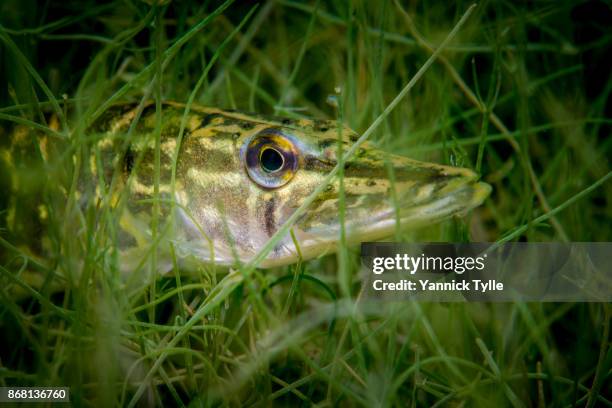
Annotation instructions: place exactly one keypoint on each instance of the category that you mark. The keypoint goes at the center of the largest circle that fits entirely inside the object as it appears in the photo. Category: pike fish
(224, 188)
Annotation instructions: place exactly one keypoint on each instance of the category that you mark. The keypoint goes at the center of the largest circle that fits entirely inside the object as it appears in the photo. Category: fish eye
(271, 159)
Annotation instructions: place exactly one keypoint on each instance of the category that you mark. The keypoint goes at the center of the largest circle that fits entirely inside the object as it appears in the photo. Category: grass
(521, 94)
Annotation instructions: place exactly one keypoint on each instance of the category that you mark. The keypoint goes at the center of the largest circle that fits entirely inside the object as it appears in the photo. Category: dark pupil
(271, 160)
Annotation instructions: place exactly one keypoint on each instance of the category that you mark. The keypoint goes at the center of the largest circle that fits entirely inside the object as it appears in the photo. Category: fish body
(220, 188)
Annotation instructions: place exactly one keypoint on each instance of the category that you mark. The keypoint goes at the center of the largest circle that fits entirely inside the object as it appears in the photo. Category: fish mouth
(425, 193)
(456, 197)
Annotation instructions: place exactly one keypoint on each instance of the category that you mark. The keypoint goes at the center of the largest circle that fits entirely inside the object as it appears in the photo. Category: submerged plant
(520, 95)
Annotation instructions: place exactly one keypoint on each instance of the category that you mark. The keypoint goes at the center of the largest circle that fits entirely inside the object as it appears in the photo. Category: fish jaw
(420, 201)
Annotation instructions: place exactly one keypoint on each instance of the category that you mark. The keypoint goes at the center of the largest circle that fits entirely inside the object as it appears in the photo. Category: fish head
(240, 187)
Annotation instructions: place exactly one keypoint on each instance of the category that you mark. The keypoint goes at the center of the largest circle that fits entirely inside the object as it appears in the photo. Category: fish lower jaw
(457, 202)
(454, 203)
